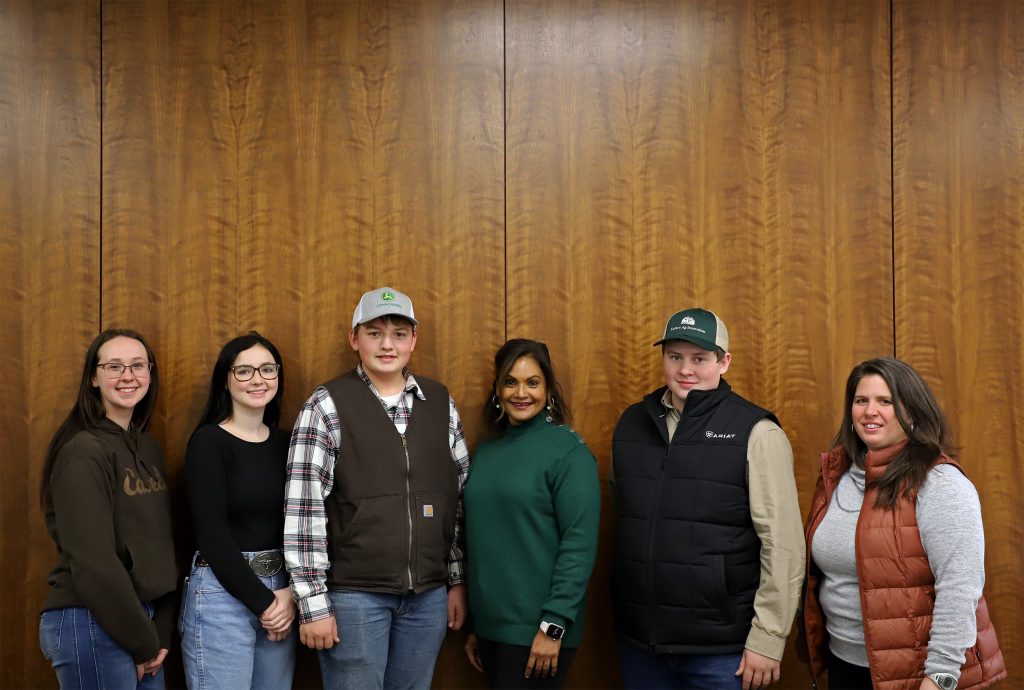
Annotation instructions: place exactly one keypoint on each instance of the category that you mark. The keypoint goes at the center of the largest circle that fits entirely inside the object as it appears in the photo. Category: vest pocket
(371, 548)
(721, 591)
(435, 530)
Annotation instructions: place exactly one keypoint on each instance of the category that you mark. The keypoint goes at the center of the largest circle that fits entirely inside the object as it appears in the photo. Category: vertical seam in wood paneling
(504, 159)
(99, 300)
(892, 171)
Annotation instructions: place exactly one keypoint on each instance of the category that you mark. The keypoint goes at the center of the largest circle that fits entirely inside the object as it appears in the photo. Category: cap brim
(399, 314)
(699, 342)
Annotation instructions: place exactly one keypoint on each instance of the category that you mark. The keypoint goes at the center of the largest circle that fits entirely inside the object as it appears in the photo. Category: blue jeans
(682, 671)
(223, 643)
(85, 657)
(387, 640)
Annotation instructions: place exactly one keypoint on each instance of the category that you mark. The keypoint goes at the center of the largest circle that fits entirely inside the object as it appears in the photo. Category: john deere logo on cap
(387, 296)
(688, 321)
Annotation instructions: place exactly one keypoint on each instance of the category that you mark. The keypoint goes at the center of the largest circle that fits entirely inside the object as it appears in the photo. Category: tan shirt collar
(671, 414)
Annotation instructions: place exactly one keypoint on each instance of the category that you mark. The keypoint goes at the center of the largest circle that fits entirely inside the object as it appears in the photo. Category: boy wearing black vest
(709, 555)
(373, 534)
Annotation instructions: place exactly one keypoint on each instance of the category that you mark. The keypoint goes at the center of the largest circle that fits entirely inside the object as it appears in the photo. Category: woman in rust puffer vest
(895, 556)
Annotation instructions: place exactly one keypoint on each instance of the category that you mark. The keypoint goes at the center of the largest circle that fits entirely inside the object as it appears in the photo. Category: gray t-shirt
(949, 521)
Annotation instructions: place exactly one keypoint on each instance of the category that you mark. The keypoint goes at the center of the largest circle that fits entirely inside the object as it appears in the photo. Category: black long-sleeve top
(236, 491)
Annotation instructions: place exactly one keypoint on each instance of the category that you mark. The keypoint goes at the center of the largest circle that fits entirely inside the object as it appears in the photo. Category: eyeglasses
(245, 372)
(115, 370)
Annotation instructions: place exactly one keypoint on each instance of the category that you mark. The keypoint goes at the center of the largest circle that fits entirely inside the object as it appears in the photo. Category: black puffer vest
(687, 559)
(391, 513)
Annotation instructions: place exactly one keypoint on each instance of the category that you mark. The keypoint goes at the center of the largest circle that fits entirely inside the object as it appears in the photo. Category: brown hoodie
(110, 516)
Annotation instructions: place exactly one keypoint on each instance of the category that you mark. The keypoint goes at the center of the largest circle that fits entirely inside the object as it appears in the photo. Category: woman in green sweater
(533, 504)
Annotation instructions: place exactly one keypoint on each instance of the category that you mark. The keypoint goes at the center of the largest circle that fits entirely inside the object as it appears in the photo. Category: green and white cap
(698, 326)
(383, 301)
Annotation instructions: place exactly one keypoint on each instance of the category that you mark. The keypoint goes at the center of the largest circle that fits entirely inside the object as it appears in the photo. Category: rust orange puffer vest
(897, 589)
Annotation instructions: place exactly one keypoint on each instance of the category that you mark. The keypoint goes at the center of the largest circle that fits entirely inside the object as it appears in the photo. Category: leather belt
(264, 563)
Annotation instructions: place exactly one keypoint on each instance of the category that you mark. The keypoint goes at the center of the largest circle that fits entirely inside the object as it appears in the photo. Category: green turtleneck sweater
(533, 504)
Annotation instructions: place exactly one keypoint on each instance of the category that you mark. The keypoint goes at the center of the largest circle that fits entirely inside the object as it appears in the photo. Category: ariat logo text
(712, 434)
(134, 486)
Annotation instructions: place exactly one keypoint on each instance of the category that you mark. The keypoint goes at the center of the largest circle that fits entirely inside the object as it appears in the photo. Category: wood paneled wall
(958, 155)
(836, 180)
(663, 156)
(267, 163)
(49, 283)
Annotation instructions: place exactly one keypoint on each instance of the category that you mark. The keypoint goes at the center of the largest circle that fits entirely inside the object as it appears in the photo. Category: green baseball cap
(698, 326)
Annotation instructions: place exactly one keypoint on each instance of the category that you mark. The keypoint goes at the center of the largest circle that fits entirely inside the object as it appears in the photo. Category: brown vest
(391, 512)
(897, 590)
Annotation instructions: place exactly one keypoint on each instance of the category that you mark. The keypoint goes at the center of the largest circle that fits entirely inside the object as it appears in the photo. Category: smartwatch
(555, 632)
(946, 681)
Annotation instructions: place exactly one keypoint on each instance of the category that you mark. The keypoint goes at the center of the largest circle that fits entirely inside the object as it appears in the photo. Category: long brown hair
(88, 410)
(504, 359)
(218, 402)
(927, 430)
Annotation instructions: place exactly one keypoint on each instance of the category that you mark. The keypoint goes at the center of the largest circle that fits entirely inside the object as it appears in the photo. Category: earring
(551, 402)
(498, 407)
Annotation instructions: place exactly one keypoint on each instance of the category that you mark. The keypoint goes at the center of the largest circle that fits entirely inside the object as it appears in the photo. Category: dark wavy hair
(927, 430)
(504, 359)
(88, 410)
(218, 403)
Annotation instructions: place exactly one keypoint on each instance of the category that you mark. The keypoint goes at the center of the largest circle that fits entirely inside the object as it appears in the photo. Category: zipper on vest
(408, 504)
(652, 604)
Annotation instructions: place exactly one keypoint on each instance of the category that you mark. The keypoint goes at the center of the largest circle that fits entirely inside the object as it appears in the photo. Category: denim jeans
(223, 643)
(387, 640)
(683, 671)
(85, 657)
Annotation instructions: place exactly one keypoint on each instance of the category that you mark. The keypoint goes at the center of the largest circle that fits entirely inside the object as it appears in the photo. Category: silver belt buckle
(266, 563)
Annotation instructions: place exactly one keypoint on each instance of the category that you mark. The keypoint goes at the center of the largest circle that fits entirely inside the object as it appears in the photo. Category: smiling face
(874, 414)
(254, 394)
(524, 392)
(690, 368)
(385, 346)
(120, 395)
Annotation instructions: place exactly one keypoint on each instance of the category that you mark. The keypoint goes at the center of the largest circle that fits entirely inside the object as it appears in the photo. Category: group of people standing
(367, 533)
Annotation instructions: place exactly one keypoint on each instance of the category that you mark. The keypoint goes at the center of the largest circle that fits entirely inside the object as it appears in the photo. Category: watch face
(555, 632)
(944, 680)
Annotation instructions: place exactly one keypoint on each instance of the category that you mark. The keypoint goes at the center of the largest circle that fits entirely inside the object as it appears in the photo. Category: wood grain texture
(266, 163)
(49, 284)
(406, 180)
(731, 155)
(958, 84)
(405, 177)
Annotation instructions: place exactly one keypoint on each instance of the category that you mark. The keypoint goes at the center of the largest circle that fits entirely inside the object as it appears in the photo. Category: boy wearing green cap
(709, 555)
(373, 534)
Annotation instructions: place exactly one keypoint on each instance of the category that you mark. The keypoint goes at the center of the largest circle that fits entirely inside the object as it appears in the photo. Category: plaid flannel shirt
(312, 455)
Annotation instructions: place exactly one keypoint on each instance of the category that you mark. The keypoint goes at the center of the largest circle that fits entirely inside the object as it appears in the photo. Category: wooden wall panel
(49, 284)
(266, 163)
(958, 84)
(405, 178)
(172, 207)
(732, 155)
